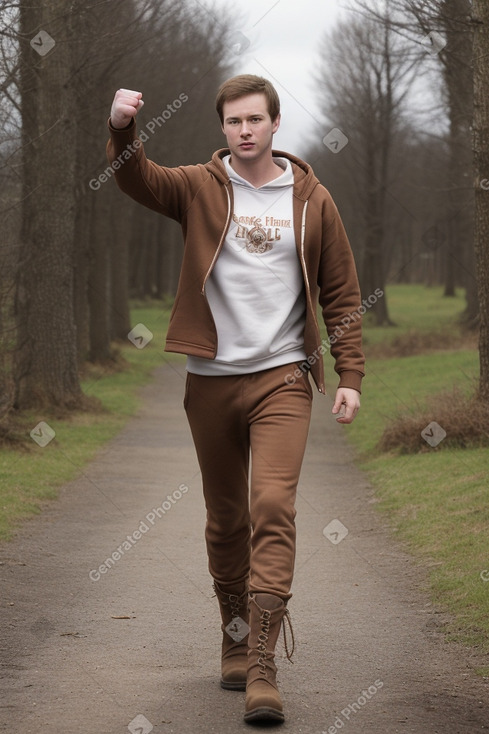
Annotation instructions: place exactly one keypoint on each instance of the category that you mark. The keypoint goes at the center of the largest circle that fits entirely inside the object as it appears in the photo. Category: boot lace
(237, 601)
(263, 638)
(286, 618)
(262, 641)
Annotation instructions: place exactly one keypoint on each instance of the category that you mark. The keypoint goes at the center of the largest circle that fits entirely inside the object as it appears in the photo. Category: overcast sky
(279, 39)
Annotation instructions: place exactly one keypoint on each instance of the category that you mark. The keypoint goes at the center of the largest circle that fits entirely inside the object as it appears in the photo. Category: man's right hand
(125, 106)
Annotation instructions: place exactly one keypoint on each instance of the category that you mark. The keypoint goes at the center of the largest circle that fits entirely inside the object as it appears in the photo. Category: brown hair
(244, 84)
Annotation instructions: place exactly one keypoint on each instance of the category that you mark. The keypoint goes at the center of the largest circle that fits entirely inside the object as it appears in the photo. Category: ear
(276, 123)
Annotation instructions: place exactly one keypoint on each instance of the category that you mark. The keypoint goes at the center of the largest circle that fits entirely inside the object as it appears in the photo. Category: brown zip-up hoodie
(200, 198)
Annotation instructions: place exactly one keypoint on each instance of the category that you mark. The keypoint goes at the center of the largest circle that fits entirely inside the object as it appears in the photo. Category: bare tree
(364, 97)
(442, 33)
(481, 164)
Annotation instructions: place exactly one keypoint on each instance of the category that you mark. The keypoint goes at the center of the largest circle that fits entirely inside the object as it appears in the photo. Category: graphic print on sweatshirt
(259, 233)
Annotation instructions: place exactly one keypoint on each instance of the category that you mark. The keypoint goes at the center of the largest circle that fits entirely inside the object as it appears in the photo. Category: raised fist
(125, 106)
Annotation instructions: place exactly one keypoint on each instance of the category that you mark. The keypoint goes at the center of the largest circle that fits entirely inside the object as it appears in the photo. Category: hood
(305, 180)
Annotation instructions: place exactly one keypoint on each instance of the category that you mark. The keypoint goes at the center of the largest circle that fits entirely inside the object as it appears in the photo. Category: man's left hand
(347, 404)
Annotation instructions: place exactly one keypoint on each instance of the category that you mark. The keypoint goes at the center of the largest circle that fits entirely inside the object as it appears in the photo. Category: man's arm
(167, 191)
(340, 301)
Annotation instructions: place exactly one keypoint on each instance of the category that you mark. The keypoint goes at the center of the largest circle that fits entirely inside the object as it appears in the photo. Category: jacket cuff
(351, 379)
(122, 139)
(121, 129)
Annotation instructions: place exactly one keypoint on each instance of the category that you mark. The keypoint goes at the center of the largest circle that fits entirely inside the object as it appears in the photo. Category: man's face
(248, 127)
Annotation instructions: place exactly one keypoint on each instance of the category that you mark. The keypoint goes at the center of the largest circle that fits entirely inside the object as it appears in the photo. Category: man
(263, 243)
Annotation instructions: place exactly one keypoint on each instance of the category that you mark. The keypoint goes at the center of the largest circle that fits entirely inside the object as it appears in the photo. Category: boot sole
(264, 713)
(239, 685)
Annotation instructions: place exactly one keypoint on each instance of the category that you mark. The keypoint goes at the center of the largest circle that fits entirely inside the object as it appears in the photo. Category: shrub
(464, 419)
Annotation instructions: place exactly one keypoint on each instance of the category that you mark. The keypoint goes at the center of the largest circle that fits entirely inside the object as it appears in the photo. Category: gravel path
(90, 647)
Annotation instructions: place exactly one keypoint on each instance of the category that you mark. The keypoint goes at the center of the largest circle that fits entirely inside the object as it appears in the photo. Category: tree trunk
(480, 9)
(99, 283)
(120, 319)
(373, 269)
(46, 363)
(80, 297)
(459, 83)
(470, 316)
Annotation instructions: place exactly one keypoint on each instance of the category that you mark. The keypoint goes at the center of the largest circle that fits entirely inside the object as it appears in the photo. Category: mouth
(246, 146)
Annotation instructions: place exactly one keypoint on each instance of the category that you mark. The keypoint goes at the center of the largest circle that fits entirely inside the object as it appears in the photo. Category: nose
(245, 130)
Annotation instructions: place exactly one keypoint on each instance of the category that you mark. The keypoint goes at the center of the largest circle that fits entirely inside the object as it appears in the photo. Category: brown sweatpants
(250, 526)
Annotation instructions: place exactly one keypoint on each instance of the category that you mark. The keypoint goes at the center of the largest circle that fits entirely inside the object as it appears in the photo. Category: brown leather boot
(267, 614)
(233, 603)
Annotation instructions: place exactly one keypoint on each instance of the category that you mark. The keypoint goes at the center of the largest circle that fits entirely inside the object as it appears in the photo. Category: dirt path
(369, 655)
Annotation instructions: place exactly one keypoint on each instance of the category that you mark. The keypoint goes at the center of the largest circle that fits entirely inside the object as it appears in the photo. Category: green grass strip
(436, 501)
(31, 475)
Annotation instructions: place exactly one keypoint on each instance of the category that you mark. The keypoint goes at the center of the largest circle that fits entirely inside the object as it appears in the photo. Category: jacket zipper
(304, 270)
(221, 241)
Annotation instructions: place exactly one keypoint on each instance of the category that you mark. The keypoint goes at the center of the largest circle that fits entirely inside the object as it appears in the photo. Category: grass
(416, 308)
(437, 499)
(31, 475)
(438, 502)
